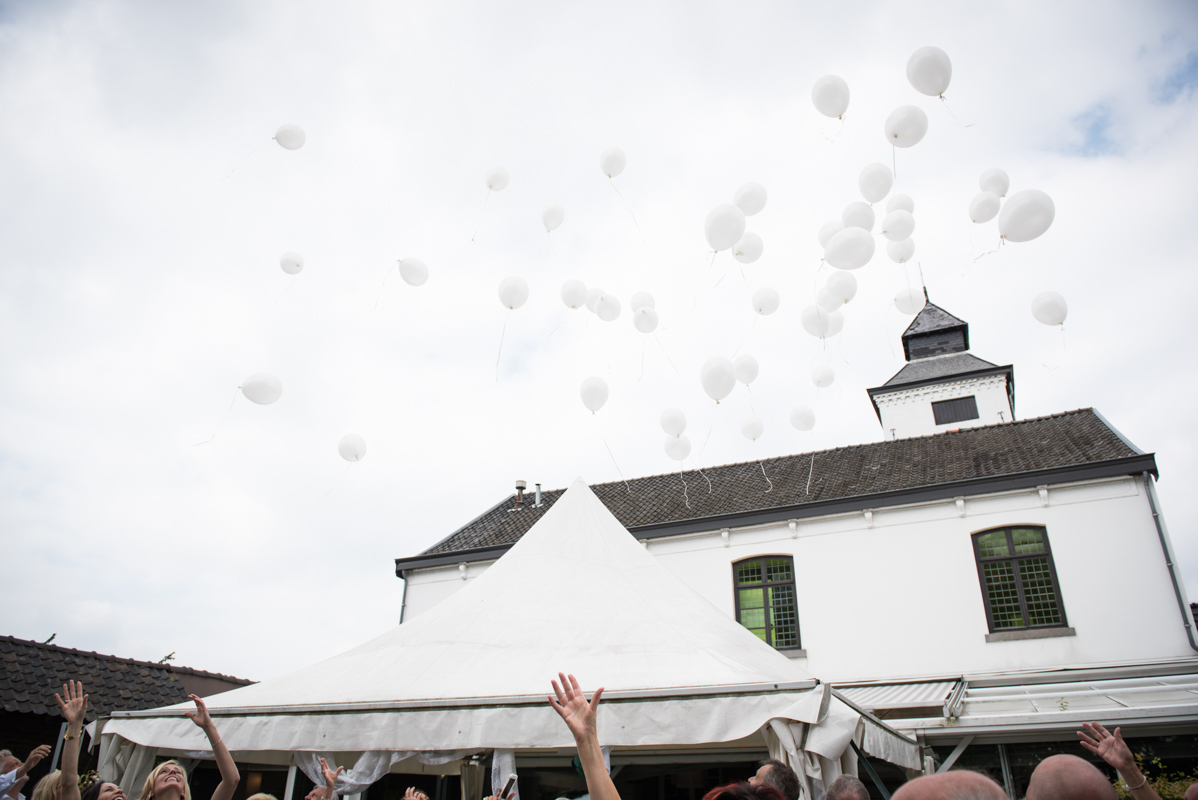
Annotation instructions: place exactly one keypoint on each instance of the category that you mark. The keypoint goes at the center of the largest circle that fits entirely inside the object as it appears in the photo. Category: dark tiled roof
(931, 318)
(925, 369)
(1073, 439)
(31, 672)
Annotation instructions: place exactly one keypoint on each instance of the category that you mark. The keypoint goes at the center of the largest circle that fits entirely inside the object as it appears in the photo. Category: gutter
(1164, 537)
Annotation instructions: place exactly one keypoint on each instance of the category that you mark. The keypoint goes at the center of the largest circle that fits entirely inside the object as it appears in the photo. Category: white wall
(901, 599)
(908, 412)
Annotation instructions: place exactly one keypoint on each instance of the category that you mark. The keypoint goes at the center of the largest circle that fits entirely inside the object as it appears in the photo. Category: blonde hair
(262, 796)
(147, 789)
(49, 787)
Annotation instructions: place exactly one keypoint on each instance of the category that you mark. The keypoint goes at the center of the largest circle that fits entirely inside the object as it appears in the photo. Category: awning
(892, 700)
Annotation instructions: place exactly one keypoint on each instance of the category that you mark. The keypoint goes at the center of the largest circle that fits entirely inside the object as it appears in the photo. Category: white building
(982, 583)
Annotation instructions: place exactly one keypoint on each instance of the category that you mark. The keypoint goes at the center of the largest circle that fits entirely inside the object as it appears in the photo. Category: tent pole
(870, 769)
(290, 790)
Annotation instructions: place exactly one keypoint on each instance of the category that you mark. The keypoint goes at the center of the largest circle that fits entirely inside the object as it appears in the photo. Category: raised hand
(201, 716)
(330, 779)
(572, 706)
(38, 753)
(414, 794)
(1108, 746)
(74, 707)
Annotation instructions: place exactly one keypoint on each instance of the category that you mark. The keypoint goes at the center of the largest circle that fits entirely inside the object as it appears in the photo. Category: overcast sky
(144, 208)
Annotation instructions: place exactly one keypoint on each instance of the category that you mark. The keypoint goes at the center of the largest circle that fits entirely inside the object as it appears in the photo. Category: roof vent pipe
(538, 503)
(520, 487)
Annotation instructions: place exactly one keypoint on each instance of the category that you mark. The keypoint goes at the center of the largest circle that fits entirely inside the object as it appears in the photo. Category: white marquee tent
(577, 594)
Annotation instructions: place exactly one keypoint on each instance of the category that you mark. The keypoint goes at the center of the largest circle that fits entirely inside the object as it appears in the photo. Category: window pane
(1002, 594)
(993, 544)
(753, 619)
(784, 620)
(1028, 540)
(749, 572)
(778, 569)
(751, 598)
(1041, 600)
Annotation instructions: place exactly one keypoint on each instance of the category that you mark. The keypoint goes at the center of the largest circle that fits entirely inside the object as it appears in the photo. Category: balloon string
(499, 355)
(810, 470)
(839, 123)
(1001, 242)
(222, 419)
(285, 291)
(886, 330)
(336, 483)
(893, 161)
(706, 273)
(685, 496)
(951, 114)
(558, 325)
(480, 216)
(386, 275)
(642, 358)
(752, 410)
(704, 474)
(709, 429)
(761, 464)
(665, 353)
(612, 182)
(747, 335)
(611, 455)
(243, 158)
(1058, 366)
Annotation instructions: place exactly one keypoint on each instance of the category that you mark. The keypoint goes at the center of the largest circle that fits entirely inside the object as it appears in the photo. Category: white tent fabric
(577, 593)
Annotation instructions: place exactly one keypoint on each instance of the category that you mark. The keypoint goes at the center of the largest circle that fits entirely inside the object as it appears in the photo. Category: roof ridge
(123, 660)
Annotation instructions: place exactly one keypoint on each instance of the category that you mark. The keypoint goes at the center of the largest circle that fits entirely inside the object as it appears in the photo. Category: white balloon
(645, 320)
(746, 368)
(642, 300)
(898, 225)
(612, 161)
(766, 301)
(748, 249)
(750, 198)
(1026, 215)
(802, 417)
(553, 216)
(290, 136)
(262, 388)
(852, 248)
(1050, 308)
(513, 291)
(497, 179)
(752, 428)
(929, 71)
(593, 295)
(995, 181)
(291, 263)
(413, 271)
(724, 226)
(593, 393)
(842, 286)
(984, 207)
(607, 307)
(677, 447)
(909, 301)
(830, 95)
(906, 126)
(835, 323)
(822, 375)
(900, 202)
(828, 230)
(858, 215)
(352, 447)
(815, 321)
(825, 300)
(574, 293)
(875, 182)
(901, 252)
(673, 421)
(718, 377)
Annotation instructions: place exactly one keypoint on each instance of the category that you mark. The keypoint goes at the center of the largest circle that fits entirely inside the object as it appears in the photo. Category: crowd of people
(1058, 777)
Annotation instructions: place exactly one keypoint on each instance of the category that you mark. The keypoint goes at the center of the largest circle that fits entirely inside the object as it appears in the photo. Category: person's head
(958, 784)
(1065, 777)
(774, 773)
(262, 796)
(846, 787)
(103, 790)
(168, 780)
(744, 791)
(8, 762)
(49, 787)
(1192, 792)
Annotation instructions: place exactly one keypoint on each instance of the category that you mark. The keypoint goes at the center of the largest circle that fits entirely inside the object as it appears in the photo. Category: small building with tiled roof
(31, 673)
(985, 584)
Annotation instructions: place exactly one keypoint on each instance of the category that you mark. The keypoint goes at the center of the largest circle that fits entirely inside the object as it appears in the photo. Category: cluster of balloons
(677, 444)
(725, 224)
(1026, 215)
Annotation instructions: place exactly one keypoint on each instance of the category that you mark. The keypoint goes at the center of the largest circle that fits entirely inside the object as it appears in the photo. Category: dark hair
(93, 792)
(744, 791)
(781, 777)
(846, 787)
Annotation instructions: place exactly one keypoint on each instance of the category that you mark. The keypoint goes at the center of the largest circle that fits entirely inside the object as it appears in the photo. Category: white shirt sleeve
(7, 780)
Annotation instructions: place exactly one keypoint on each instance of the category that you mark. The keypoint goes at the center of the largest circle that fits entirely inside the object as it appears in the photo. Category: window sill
(1037, 633)
(796, 653)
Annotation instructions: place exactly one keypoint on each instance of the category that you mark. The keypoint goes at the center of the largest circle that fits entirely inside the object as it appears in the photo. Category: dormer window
(959, 409)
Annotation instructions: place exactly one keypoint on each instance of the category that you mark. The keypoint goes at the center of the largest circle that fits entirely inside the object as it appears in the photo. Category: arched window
(765, 599)
(1019, 581)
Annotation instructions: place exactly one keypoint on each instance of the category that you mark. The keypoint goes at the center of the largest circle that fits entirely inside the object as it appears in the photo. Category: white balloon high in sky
(830, 95)
(290, 136)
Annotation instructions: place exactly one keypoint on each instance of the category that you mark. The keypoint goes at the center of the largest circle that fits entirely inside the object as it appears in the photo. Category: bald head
(1192, 792)
(1068, 778)
(954, 785)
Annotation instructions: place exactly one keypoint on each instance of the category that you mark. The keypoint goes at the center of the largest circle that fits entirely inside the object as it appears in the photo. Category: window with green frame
(765, 599)
(1019, 581)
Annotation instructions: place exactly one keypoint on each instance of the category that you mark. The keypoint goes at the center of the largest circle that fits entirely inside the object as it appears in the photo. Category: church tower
(942, 387)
